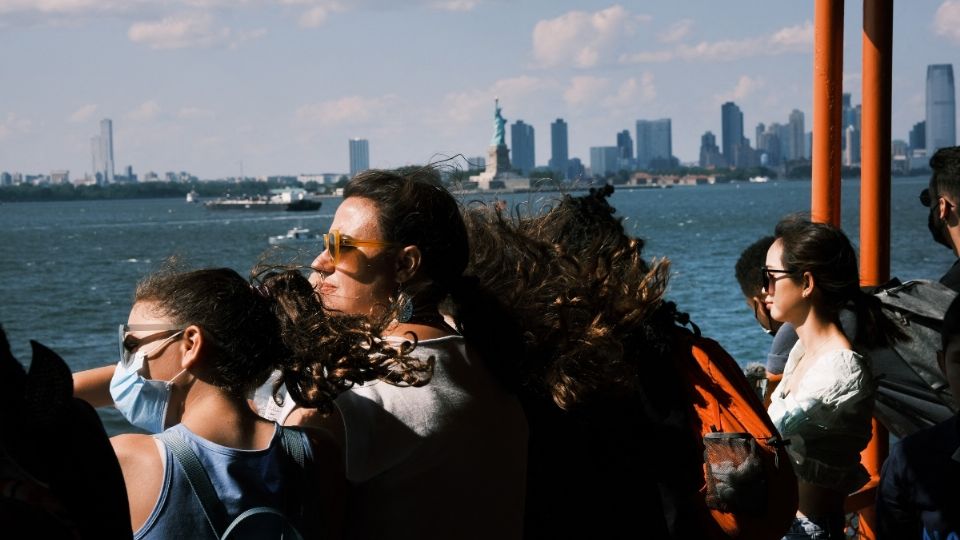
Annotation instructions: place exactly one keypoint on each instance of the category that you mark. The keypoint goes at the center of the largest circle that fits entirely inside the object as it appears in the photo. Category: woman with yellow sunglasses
(455, 441)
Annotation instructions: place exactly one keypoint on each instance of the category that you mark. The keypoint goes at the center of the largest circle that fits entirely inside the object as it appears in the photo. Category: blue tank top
(242, 478)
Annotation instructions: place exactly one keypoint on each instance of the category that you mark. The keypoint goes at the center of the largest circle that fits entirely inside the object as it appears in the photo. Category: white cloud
(467, 107)
(148, 110)
(797, 38)
(946, 22)
(584, 90)
(793, 38)
(455, 5)
(584, 39)
(12, 125)
(350, 110)
(746, 86)
(64, 6)
(632, 92)
(676, 31)
(179, 31)
(314, 17)
(82, 114)
(194, 113)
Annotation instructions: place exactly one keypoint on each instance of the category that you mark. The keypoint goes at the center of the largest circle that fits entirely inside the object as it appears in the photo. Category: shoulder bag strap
(213, 509)
(293, 445)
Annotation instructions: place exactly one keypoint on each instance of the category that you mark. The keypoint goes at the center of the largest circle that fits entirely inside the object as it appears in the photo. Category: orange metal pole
(827, 90)
(875, 194)
(875, 142)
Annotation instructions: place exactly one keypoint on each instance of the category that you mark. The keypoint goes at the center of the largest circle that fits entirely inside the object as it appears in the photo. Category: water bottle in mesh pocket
(735, 478)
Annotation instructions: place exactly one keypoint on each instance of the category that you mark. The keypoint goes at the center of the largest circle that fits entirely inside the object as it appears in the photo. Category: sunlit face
(161, 357)
(365, 277)
(783, 297)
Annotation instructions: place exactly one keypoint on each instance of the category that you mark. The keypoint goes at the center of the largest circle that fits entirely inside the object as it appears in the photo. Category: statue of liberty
(498, 123)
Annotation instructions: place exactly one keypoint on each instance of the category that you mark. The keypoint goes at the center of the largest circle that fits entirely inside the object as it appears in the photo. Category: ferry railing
(875, 175)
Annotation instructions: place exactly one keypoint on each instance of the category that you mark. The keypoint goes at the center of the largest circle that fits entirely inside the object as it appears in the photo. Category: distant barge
(290, 200)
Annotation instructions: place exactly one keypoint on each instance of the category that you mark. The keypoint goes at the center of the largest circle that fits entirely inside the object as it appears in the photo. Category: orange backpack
(749, 489)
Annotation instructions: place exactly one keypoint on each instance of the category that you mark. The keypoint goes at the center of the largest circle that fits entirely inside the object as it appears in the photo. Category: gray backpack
(254, 523)
(912, 392)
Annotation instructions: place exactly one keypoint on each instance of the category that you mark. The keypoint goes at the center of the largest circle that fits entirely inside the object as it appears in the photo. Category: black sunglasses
(766, 279)
(925, 198)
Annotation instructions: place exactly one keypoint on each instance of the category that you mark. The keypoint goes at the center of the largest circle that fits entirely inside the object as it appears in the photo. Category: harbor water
(68, 269)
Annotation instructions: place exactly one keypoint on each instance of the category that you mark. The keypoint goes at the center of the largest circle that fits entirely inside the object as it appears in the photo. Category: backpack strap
(289, 532)
(210, 503)
(293, 445)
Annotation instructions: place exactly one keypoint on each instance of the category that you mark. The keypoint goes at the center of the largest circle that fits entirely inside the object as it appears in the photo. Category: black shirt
(918, 495)
(952, 277)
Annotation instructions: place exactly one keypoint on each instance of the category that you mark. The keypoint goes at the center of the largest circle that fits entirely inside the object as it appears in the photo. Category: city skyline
(221, 89)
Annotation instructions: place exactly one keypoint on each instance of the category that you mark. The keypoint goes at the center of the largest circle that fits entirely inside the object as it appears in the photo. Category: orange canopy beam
(827, 127)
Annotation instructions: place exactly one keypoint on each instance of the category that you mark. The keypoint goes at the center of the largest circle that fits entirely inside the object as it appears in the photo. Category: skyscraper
(918, 137)
(359, 156)
(796, 139)
(522, 147)
(603, 160)
(654, 141)
(851, 155)
(559, 148)
(768, 144)
(941, 108)
(709, 151)
(731, 131)
(106, 150)
(95, 158)
(625, 144)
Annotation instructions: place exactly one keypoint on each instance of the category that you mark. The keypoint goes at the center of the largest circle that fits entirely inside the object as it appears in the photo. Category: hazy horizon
(281, 85)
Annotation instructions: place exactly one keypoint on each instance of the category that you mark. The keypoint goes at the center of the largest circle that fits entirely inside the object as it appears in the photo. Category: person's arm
(773, 380)
(142, 467)
(93, 385)
(332, 423)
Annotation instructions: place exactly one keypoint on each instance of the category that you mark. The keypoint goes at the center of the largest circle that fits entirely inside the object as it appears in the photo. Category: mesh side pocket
(735, 477)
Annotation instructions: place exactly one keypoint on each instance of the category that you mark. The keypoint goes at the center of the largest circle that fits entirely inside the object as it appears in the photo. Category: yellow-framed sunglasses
(334, 240)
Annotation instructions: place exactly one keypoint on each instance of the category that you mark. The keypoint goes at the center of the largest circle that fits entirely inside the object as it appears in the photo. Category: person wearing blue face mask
(195, 346)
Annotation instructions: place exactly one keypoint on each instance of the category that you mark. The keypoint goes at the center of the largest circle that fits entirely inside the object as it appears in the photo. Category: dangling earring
(404, 305)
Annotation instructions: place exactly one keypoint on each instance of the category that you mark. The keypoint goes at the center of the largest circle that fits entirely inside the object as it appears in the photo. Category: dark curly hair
(277, 323)
(591, 307)
(749, 263)
(945, 164)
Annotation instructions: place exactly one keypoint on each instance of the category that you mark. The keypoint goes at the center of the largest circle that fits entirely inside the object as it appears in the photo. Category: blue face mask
(143, 402)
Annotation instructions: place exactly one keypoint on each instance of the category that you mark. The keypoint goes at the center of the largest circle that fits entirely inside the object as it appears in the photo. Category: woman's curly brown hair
(591, 308)
(277, 322)
(330, 353)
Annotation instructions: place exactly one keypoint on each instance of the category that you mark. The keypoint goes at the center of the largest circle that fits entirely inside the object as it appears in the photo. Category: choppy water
(68, 269)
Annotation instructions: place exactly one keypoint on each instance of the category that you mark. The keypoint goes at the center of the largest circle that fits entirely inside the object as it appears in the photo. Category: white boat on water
(759, 179)
(193, 196)
(296, 235)
(290, 199)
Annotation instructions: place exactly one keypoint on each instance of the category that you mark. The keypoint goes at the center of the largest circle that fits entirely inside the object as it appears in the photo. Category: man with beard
(942, 197)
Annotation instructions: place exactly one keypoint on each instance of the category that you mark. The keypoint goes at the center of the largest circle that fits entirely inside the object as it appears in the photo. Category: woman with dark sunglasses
(195, 346)
(824, 403)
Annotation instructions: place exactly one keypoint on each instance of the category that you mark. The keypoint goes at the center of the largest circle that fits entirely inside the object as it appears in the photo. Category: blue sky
(279, 86)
